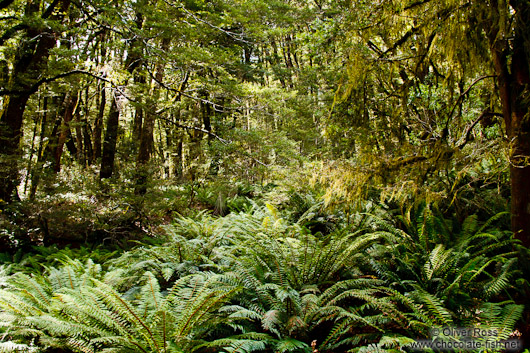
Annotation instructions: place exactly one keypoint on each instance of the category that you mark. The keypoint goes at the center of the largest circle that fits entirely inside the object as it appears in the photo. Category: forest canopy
(262, 175)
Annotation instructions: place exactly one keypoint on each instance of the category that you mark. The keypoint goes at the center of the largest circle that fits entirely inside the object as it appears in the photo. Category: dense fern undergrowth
(266, 279)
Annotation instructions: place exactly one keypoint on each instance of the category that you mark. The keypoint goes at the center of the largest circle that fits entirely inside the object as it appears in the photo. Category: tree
(439, 73)
(40, 28)
(453, 47)
(507, 26)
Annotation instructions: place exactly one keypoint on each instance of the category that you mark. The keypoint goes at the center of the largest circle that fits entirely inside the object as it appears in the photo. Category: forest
(306, 176)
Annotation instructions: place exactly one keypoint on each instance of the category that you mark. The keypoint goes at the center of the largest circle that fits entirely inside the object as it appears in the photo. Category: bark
(10, 134)
(276, 64)
(175, 146)
(177, 160)
(29, 64)
(40, 117)
(87, 142)
(144, 154)
(146, 134)
(78, 127)
(178, 157)
(206, 119)
(37, 169)
(65, 135)
(109, 145)
(513, 80)
(133, 65)
(146, 140)
(70, 144)
(47, 151)
(98, 124)
(137, 124)
(519, 123)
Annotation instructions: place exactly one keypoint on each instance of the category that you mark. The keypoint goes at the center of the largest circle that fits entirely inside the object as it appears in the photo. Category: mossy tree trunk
(512, 65)
(29, 67)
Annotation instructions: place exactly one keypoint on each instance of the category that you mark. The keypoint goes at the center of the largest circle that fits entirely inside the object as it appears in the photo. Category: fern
(500, 318)
(291, 345)
(253, 282)
(94, 316)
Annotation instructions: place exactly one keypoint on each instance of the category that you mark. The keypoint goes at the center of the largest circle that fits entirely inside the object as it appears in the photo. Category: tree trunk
(514, 89)
(87, 143)
(177, 160)
(10, 134)
(144, 154)
(78, 140)
(85, 127)
(37, 168)
(47, 150)
(109, 145)
(98, 124)
(519, 132)
(146, 133)
(512, 66)
(37, 120)
(65, 135)
(29, 65)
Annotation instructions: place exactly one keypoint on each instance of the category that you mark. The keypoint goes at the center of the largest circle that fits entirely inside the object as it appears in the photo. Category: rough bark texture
(144, 154)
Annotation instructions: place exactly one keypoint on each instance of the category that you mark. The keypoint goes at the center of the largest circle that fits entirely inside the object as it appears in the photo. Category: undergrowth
(263, 281)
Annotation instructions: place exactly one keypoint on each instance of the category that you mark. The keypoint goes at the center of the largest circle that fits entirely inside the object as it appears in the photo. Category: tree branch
(442, 15)
(5, 3)
(36, 85)
(187, 127)
(235, 36)
(415, 4)
(180, 92)
(400, 41)
(48, 12)
(33, 88)
(82, 8)
(463, 95)
(222, 140)
(9, 33)
(467, 135)
(404, 161)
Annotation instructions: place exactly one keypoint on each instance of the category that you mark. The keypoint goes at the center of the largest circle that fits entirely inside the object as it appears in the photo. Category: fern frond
(507, 319)
(290, 345)
(435, 307)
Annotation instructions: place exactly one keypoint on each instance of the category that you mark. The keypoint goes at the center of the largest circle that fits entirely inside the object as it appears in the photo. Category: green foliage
(255, 281)
(427, 276)
(289, 176)
(86, 315)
